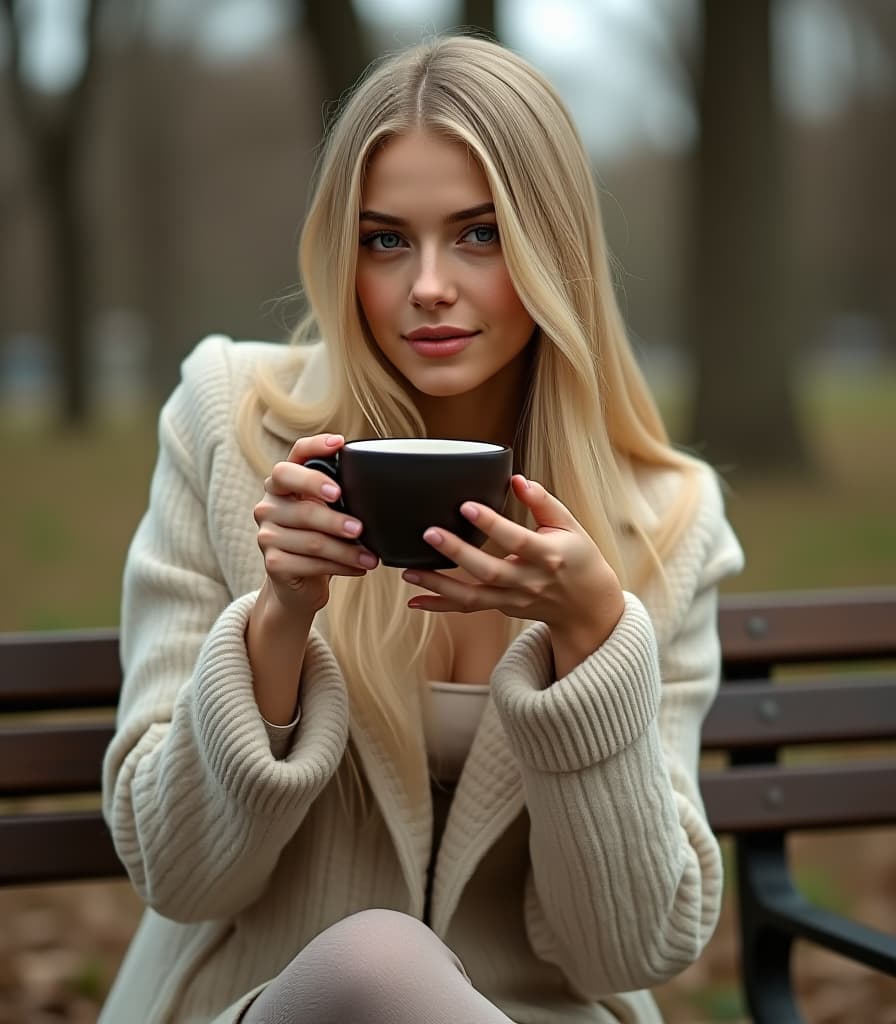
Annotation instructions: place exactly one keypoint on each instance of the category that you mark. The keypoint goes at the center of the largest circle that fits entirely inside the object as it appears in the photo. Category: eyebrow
(387, 218)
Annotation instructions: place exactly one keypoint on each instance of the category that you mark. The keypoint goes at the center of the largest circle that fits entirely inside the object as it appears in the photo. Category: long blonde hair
(588, 410)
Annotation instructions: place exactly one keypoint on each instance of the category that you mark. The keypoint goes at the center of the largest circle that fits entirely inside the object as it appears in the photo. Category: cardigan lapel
(488, 797)
(409, 822)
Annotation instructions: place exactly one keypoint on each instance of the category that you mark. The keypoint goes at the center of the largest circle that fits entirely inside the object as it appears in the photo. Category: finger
(288, 479)
(451, 595)
(307, 515)
(316, 445)
(273, 537)
(282, 565)
(546, 509)
(431, 603)
(511, 537)
(285, 480)
(485, 568)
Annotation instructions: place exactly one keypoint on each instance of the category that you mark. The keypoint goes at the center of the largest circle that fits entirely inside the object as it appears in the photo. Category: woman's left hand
(555, 574)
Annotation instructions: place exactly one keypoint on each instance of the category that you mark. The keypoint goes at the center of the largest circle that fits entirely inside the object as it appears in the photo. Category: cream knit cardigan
(576, 862)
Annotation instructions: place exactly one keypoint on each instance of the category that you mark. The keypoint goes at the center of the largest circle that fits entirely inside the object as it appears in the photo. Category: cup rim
(425, 446)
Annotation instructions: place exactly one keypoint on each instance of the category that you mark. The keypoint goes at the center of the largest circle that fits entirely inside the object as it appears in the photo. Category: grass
(73, 502)
(838, 527)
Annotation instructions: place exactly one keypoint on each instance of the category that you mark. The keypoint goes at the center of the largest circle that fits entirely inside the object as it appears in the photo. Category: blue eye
(387, 240)
(483, 234)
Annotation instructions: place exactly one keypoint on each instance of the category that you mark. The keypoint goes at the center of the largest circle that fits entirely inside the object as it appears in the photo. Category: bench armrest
(773, 914)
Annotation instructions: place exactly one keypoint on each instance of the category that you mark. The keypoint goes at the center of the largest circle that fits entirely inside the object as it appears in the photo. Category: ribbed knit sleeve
(198, 804)
(626, 879)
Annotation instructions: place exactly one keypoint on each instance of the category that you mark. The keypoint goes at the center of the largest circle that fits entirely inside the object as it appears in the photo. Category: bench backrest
(801, 670)
(58, 692)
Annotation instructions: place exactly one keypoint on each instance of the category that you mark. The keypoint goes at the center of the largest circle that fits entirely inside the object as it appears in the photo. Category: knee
(369, 956)
(381, 938)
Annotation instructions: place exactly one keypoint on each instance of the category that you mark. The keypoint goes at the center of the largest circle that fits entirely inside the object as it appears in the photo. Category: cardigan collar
(312, 381)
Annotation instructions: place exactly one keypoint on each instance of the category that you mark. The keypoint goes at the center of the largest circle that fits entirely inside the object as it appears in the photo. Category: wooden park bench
(799, 669)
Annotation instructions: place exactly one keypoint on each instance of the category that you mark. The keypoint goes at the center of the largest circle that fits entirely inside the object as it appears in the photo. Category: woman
(316, 834)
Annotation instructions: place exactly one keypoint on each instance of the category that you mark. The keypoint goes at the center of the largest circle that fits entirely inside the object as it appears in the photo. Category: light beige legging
(375, 967)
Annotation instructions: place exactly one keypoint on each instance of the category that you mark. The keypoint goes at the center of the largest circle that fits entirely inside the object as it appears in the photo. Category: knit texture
(576, 862)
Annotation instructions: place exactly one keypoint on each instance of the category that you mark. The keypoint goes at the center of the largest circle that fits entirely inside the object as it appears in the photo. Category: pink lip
(434, 349)
(439, 333)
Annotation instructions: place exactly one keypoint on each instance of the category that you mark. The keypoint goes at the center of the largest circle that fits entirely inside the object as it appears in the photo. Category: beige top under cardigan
(449, 726)
(576, 861)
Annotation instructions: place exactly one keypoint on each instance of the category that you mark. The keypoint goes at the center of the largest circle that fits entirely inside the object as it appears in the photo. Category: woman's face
(431, 277)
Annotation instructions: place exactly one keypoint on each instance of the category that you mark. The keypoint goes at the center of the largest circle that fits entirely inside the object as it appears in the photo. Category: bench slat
(805, 626)
(56, 848)
(763, 798)
(43, 759)
(757, 714)
(70, 669)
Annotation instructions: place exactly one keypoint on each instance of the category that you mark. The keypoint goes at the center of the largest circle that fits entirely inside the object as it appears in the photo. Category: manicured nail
(433, 537)
(470, 511)
(352, 527)
(333, 439)
(367, 560)
(411, 577)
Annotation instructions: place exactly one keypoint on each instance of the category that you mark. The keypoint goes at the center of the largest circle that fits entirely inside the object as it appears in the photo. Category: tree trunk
(744, 416)
(51, 133)
(481, 15)
(339, 42)
(155, 88)
(68, 273)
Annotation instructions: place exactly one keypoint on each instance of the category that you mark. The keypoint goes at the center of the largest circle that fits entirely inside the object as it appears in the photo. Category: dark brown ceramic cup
(398, 487)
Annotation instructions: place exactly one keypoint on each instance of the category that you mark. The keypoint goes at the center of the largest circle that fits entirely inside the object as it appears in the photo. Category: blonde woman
(349, 793)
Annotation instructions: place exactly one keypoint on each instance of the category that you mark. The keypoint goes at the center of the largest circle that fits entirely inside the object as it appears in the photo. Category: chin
(442, 384)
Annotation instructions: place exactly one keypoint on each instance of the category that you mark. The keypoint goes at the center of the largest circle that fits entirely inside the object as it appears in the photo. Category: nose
(432, 285)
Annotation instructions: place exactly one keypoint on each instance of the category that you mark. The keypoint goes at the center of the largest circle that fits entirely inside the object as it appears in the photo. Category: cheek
(366, 293)
(504, 302)
(375, 296)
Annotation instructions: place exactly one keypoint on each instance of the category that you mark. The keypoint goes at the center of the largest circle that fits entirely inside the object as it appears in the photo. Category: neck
(489, 413)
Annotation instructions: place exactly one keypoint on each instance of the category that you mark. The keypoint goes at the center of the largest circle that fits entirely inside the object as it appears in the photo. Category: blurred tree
(339, 41)
(871, 252)
(156, 81)
(744, 412)
(480, 14)
(51, 129)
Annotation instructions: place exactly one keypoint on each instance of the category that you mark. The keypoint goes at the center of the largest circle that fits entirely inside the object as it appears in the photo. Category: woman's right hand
(303, 540)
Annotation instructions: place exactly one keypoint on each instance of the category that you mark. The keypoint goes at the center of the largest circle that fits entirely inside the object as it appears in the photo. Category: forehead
(408, 168)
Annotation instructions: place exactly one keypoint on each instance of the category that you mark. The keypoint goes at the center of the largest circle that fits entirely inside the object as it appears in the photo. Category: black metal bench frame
(758, 797)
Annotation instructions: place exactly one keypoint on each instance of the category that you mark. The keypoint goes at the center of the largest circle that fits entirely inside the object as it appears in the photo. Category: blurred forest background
(155, 159)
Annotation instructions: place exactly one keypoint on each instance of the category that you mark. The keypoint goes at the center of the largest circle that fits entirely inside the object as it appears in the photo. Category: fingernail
(470, 511)
(352, 527)
(333, 439)
(433, 537)
(330, 491)
(526, 483)
(411, 577)
(367, 560)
